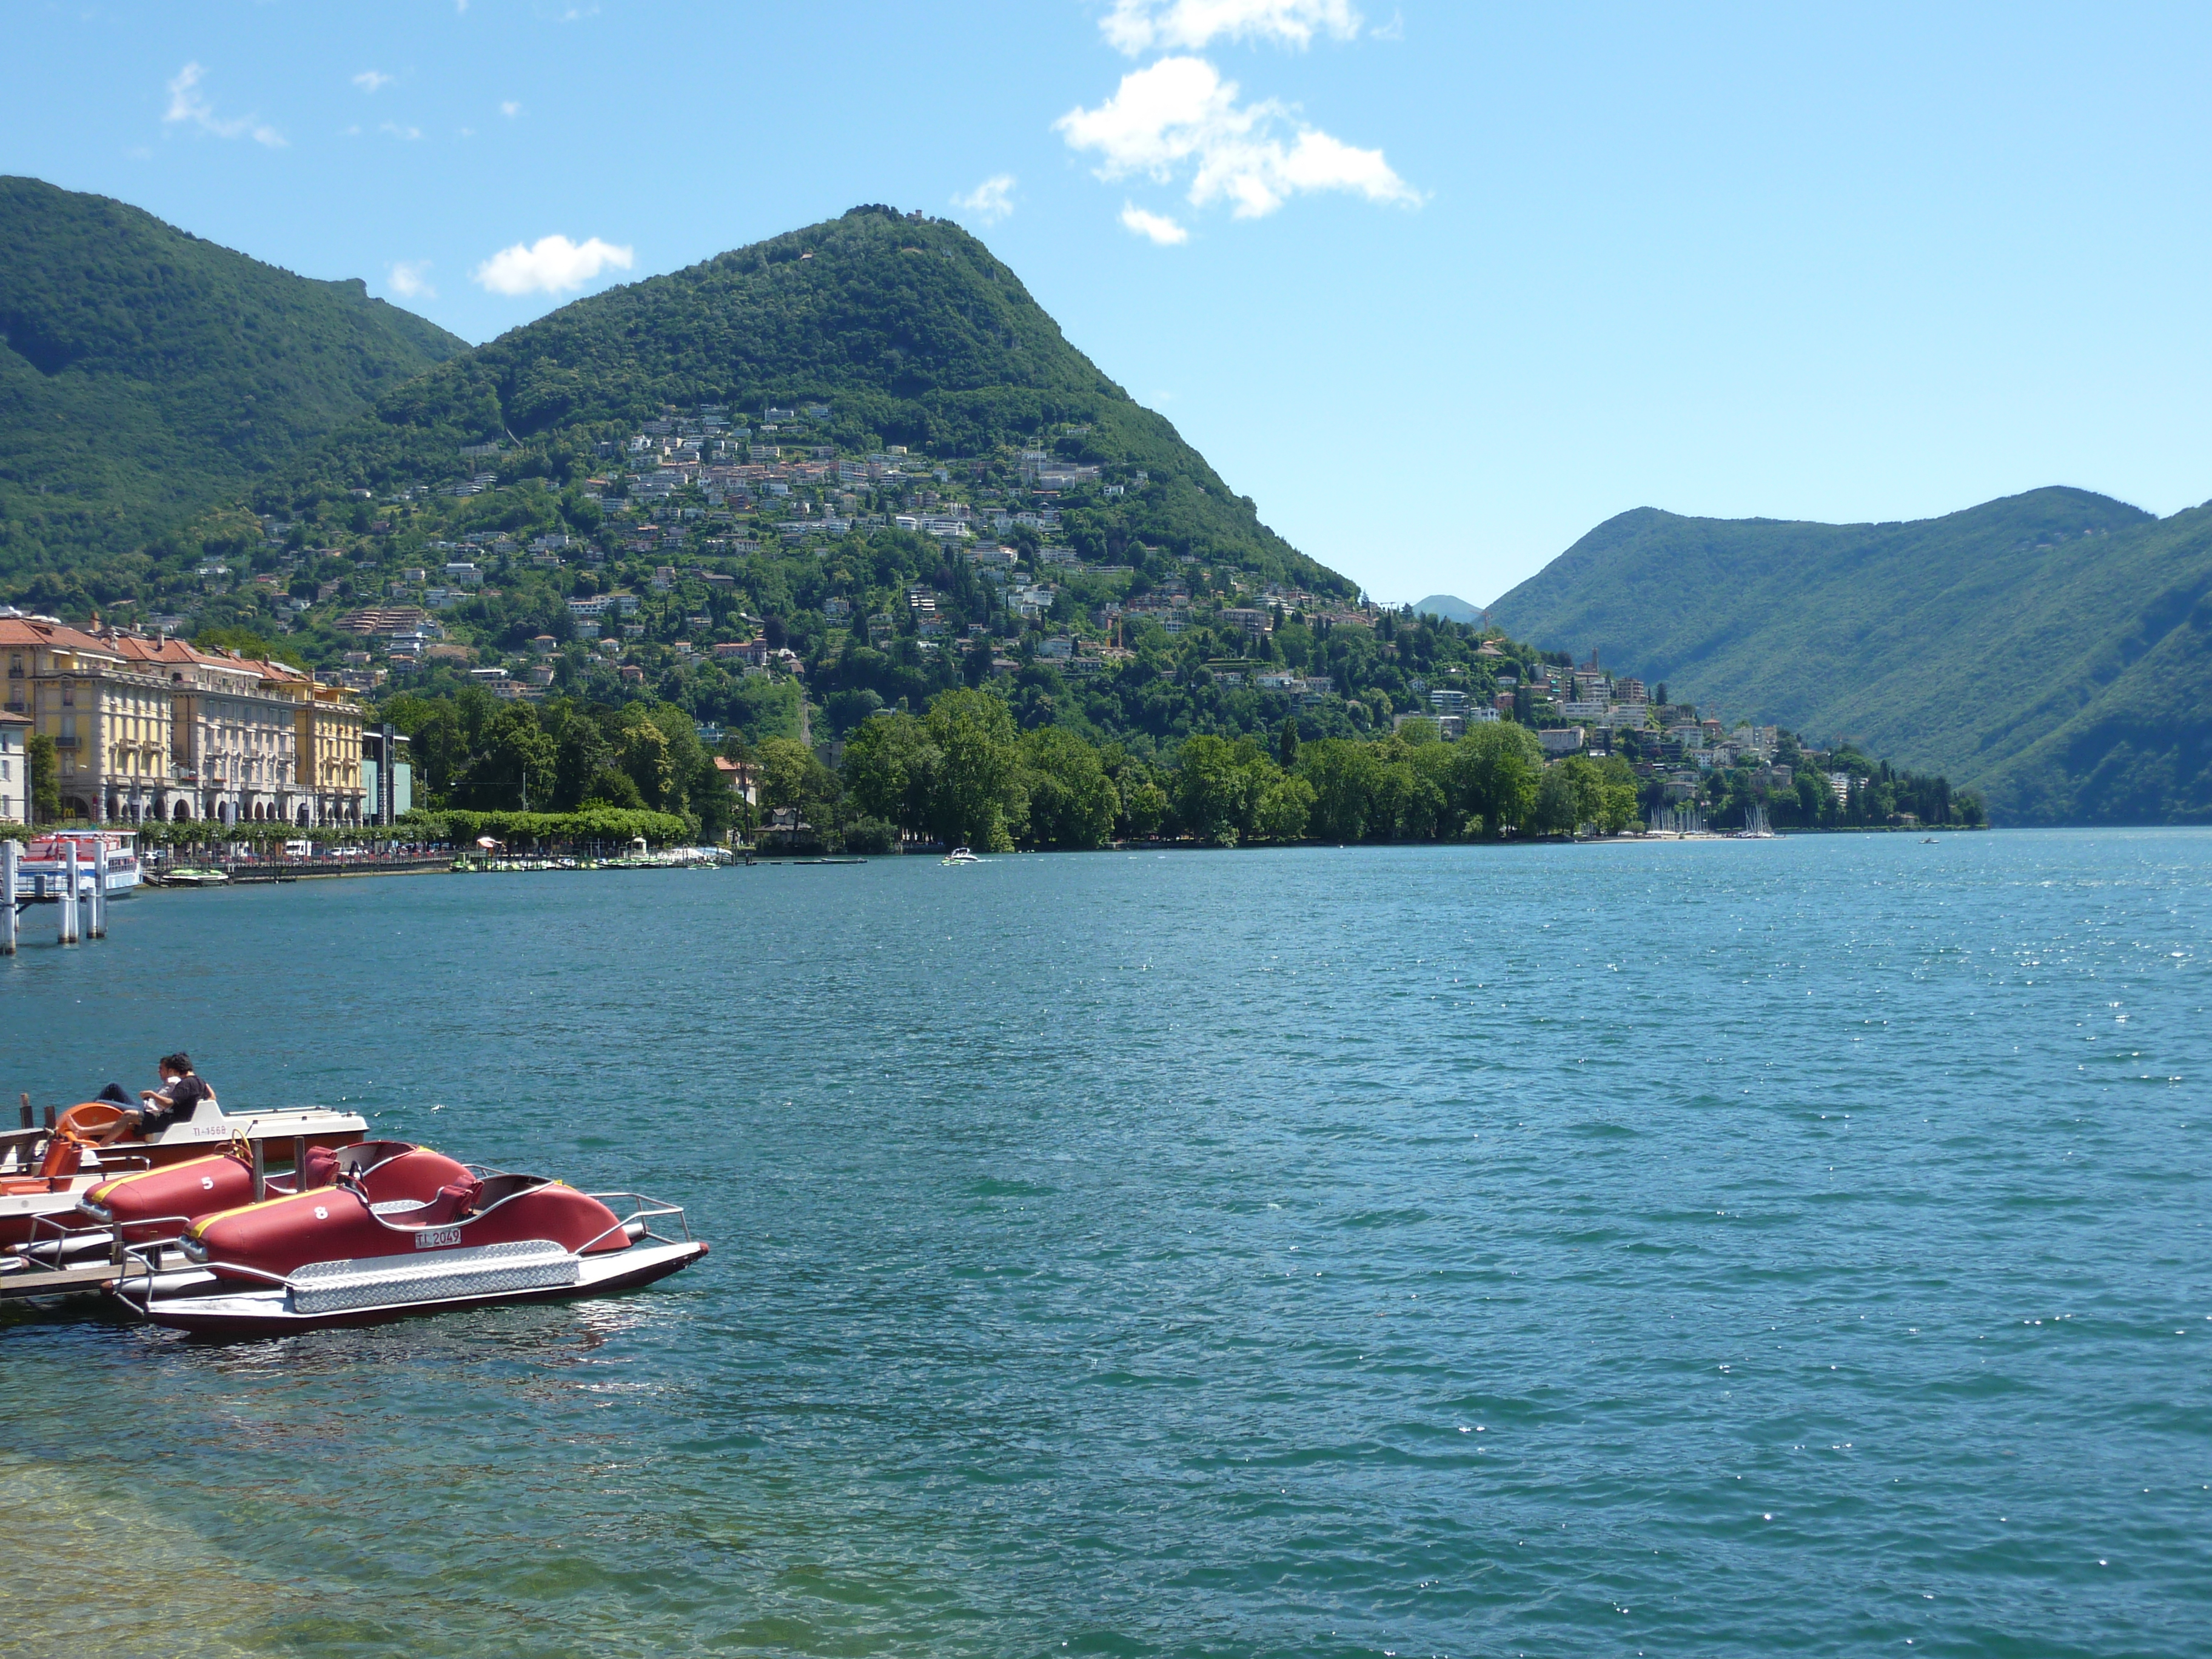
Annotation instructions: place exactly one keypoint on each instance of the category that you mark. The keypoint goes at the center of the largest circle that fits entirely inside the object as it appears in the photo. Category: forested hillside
(147, 375)
(2052, 650)
(909, 328)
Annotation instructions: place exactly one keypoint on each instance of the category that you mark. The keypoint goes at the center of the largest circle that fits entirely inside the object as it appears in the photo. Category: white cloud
(1162, 230)
(510, 109)
(371, 80)
(990, 201)
(188, 105)
(552, 264)
(408, 280)
(1137, 26)
(1180, 112)
(399, 131)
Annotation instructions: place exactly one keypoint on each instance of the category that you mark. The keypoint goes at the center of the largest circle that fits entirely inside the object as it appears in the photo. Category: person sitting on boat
(181, 1092)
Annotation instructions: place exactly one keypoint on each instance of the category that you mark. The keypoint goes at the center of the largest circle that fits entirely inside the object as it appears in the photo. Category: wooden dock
(28, 1283)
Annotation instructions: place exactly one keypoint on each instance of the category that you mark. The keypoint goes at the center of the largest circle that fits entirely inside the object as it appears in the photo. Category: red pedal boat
(153, 1206)
(341, 1254)
(42, 1175)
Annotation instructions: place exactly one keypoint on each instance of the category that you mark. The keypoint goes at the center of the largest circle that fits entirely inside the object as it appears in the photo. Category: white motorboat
(194, 875)
(961, 855)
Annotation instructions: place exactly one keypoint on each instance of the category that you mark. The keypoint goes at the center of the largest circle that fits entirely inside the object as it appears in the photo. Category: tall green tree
(1496, 767)
(1344, 775)
(642, 751)
(514, 764)
(1284, 809)
(1071, 804)
(1219, 785)
(890, 769)
(45, 778)
(978, 799)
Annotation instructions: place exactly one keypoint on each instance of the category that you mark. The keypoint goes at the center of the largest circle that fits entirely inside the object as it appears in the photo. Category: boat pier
(81, 909)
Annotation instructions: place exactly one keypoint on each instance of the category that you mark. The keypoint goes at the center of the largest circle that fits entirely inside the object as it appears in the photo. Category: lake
(1699, 1248)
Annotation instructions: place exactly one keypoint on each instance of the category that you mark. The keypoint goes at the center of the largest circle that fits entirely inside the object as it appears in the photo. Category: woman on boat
(181, 1092)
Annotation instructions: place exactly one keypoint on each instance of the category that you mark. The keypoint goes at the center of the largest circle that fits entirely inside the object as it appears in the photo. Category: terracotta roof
(30, 630)
(138, 648)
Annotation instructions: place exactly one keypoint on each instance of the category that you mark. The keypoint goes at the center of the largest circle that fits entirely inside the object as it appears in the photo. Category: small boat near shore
(193, 875)
(960, 856)
(340, 1255)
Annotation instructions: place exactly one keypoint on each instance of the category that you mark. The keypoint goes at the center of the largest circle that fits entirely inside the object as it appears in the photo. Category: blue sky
(1441, 286)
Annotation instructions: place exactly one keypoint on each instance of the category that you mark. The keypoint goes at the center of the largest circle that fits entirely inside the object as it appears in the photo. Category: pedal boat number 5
(42, 1176)
(337, 1256)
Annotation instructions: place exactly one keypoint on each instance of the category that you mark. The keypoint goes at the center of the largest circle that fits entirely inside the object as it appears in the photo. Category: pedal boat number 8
(339, 1255)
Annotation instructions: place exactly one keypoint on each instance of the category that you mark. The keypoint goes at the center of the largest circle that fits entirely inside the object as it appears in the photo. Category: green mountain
(147, 375)
(909, 328)
(2051, 650)
(1449, 606)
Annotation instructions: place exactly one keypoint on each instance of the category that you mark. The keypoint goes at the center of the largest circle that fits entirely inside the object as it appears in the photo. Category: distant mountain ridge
(1449, 606)
(146, 375)
(2052, 650)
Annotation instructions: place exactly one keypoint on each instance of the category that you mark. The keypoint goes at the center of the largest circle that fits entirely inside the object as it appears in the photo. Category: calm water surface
(1742, 1248)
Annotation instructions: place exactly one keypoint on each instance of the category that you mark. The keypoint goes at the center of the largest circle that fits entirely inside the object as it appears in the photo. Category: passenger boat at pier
(43, 871)
(43, 1172)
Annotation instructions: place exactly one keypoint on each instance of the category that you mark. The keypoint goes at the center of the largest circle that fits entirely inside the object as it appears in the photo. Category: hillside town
(772, 578)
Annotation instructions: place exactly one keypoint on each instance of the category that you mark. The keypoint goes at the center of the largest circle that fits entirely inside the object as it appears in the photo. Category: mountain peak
(910, 329)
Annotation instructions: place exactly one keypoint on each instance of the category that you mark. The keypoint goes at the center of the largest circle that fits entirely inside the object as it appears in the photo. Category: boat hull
(21, 1212)
(217, 1308)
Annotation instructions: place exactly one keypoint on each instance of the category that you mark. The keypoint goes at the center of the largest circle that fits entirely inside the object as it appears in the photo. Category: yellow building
(109, 718)
(155, 728)
(330, 756)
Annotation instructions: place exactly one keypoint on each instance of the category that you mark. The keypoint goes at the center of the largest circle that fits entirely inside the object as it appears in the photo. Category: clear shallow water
(1746, 1249)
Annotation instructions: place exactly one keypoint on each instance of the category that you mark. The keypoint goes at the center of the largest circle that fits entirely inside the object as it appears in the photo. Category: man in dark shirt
(174, 1102)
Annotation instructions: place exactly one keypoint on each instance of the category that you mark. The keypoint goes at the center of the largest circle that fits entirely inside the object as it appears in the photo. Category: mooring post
(100, 890)
(9, 851)
(26, 1109)
(68, 927)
